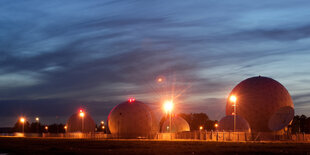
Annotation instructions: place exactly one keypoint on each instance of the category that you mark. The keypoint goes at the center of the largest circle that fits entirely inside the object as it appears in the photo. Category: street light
(233, 99)
(22, 120)
(102, 122)
(46, 128)
(82, 114)
(37, 120)
(216, 125)
(168, 106)
(200, 128)
(65, 127)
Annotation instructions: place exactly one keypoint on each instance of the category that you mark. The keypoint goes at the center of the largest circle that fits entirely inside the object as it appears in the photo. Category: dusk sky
(62, 55)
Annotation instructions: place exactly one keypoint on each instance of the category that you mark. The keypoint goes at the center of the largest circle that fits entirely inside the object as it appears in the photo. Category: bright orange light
(65, 127)
(102, 127)
(201, 127)
(22, 120)
(159, 80)
(131, 99)
(82, 114)
(216, 125)
(46, 127)
(168, 106)
(102, 122)
(37, 119)
(233, 98)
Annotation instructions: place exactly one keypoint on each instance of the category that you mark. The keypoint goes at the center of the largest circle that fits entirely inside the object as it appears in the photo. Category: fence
(232, 136)
(189, 135)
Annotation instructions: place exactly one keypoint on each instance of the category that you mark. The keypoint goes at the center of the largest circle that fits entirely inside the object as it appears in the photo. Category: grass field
(13, 145)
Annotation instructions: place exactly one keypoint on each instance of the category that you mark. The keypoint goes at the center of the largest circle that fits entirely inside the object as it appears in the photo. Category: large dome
(263, 102)
(132, 119)
(78, 124)
(227, 124)
(178, 125)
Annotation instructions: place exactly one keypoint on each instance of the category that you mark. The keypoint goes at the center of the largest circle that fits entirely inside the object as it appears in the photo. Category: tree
(300, 124)
(18, 127)
(195, 120)
(56, 128)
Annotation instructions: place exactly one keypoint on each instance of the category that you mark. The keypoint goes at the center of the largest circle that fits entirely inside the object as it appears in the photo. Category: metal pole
(170, 126)
(235, 114)
(82, 124)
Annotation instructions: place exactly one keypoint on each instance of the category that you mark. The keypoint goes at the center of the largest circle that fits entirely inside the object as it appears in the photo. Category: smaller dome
(227, 124)
(132, 119)
(76, 123)
(178, 125)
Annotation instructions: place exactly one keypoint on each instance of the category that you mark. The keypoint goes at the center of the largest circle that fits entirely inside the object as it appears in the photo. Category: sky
(59, 56)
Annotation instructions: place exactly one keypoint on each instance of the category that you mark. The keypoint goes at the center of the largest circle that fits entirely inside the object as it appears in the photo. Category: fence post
(238, 136)
(303, 136)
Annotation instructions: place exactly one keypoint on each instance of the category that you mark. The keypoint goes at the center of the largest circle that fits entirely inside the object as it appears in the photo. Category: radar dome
(178, 124)
(227, 124)
(263, 102)
(81, 123)
(132, 119)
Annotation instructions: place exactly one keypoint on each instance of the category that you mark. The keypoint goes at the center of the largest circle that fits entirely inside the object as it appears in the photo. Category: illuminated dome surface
(227, 124)
(75, 123)
(178, 125)
(132, 119)
(264, 103)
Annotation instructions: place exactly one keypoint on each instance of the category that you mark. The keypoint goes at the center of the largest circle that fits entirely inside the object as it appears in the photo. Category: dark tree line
(300, 124)
(36, 127)
(195, 120)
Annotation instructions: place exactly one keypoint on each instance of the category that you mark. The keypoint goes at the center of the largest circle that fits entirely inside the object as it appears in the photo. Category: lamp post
(82, 114)
(38, 121)
(46, 128)
(22, 120)
(168, 106)
(200, 128)
(65, 127)
(216, 125)
(233, 99)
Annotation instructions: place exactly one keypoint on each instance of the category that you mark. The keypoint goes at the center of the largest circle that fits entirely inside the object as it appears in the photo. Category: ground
(13, 145)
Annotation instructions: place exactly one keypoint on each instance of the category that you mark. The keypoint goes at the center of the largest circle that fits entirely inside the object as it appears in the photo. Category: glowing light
(46, 127)
(168, 106)
(82, 114)
(102, 127)
(81, 110)
(37, 119)
(216, 125)
(159, 80)
(102, 122)
(233, 98)
(65, 127)
(201, 127)
(131, 99)
(22, 120)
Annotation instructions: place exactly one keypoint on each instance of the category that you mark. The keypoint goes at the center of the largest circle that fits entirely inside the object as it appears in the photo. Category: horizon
(58, 57)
